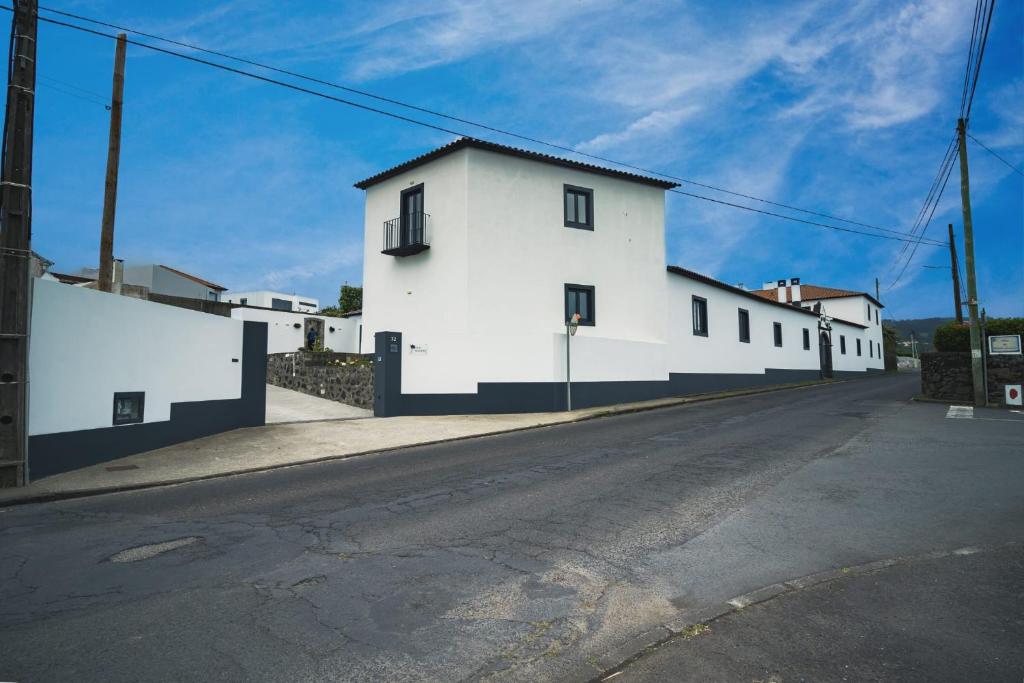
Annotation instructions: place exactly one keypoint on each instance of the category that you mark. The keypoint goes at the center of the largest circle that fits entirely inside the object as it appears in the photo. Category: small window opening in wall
(842, 343)
(129, 407)
(876, 316)
(580, 299)
(807, 339)
(579, 207)
(858, 347)
(700, 316)
(744, 317)
(777, 333)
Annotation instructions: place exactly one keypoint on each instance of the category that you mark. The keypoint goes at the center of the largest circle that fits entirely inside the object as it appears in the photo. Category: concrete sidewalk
(272, 446)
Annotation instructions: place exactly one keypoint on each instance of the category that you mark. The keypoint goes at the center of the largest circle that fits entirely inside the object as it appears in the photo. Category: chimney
(118, 276)
(782, 291)
(794, 287)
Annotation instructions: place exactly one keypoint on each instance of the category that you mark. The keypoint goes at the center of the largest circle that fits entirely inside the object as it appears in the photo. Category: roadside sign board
(1004, 344)
(1013, 395)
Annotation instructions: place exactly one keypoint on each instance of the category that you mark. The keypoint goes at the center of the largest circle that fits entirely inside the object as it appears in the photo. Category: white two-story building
(477, 254)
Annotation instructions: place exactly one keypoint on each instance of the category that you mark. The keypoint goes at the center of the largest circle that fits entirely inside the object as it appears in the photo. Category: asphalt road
(527, 556)
(955, 618)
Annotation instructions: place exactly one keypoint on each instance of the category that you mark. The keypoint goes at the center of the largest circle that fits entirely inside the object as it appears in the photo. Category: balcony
(406, 235)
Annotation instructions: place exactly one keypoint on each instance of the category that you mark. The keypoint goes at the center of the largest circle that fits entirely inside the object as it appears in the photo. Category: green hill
(922, 328)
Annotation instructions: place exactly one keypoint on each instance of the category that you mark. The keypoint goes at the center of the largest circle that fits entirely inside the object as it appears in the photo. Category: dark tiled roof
(463, 143)
(71, 279)
(817, 292)
(205, 283)
(755, 295)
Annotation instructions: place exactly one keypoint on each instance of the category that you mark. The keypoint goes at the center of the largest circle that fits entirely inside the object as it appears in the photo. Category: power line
(801, 220)
(69, 90)
(983, 146)
(929, 198)
(970, 57)
(981, 53)
(901, 236)
(935, 204)
(438, 114)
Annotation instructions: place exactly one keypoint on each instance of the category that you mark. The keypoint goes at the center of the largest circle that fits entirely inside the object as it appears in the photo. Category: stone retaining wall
(947, 376)
(343, 377)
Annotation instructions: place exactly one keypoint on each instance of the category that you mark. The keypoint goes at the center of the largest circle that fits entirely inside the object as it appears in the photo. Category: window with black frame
(700, 316)
(777, 333)
(744, 321)
(580, 299)
(579, 207)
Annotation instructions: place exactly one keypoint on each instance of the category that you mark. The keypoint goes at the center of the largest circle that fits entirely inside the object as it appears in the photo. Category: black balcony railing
(406, 235)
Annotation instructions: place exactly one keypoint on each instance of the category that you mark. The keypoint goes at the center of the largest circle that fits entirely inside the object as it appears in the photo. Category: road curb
(687, 624)
(53, 496)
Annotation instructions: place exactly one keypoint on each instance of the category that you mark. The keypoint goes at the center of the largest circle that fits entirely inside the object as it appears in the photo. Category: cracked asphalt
(527, 556)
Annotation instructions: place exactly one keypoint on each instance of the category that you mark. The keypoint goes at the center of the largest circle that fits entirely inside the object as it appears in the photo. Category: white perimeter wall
(721, 351)
(284, 337)
(86, 345)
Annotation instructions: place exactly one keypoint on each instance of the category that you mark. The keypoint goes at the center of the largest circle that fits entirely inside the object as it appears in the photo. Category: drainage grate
(121, 468)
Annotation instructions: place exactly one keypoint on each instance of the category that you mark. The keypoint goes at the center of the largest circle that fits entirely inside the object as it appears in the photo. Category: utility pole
(105, 281)
(16, 245)
(977, 360)
(878, 292)
(956, 276)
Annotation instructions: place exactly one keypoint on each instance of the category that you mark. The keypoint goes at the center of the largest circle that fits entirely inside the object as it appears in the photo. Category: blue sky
(844, 108)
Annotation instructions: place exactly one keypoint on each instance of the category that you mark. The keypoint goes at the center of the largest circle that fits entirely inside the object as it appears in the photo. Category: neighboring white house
(286, 331)
(477, 253)
(158, 279)
(275, 300)
(137, 376)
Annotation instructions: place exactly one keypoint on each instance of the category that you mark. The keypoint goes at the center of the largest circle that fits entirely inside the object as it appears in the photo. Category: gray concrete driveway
(285, 405)
(536, 555)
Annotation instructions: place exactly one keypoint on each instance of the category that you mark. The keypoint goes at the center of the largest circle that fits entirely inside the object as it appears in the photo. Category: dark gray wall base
(540, 397)
(55, 453)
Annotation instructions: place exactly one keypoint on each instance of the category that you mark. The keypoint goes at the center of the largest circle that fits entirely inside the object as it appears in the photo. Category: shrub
(957, 337)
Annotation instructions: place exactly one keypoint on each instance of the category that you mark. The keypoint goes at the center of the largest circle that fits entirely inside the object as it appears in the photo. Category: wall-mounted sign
(1004, 344)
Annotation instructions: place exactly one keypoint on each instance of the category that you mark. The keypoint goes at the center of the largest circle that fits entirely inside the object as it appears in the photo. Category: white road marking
(961, 412)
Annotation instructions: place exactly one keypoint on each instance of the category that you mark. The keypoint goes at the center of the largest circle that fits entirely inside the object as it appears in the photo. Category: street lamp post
(571, 325)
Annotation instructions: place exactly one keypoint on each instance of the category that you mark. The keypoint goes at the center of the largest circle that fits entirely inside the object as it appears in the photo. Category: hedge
(957, 337)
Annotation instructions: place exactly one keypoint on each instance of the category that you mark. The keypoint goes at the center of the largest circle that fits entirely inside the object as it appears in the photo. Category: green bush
(957, 337)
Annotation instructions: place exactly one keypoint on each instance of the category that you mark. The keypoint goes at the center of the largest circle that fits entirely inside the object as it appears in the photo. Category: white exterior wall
(722, 351)
(284, 337)
(426, 296)
(854, 309)
(86, 345)
(300, 304)
(487, 298)
(485, 303)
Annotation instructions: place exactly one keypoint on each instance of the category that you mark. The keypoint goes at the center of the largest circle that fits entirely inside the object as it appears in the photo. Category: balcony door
(412, 216)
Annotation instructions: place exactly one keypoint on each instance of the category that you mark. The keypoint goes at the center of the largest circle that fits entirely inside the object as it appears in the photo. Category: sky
(843, 108)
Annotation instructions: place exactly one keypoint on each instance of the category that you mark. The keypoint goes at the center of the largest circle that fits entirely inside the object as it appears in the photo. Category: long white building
(477, 254)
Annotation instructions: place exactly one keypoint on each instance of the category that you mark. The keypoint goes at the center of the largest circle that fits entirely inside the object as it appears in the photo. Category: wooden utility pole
(977, 358)
(956, 276)
(878, 291)
(106, 276)
(16, 245)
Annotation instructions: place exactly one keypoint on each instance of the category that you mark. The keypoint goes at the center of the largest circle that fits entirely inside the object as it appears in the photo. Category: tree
(350, 299)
